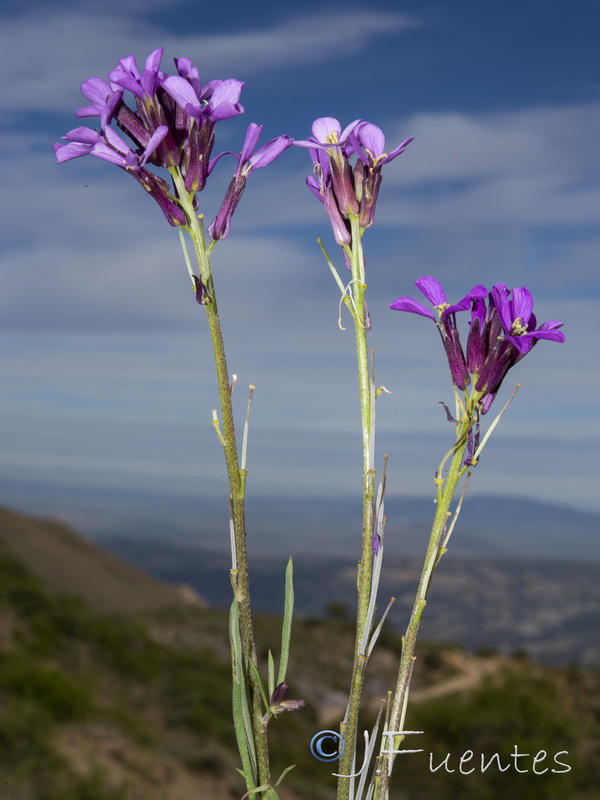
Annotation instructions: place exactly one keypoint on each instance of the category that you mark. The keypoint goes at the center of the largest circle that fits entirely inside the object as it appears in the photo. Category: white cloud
(529, 167)
(57, 46)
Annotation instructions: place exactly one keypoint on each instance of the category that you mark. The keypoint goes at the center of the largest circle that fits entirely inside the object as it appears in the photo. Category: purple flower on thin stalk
(501, 333)
(171, 124)
(344, 189)
(369, 145)
(446, 321)
(330, 140)
(320, 184)
(248, 160)
(204, 107)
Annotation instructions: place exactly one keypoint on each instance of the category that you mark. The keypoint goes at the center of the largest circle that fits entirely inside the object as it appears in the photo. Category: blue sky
(106, 378)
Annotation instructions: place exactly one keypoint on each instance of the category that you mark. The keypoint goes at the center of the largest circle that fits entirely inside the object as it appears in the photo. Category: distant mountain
(70, 564)
(549, 608)
(488, 525)
(506, 582)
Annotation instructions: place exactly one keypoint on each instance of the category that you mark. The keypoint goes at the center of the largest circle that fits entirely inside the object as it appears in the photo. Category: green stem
(446, 490)
(236, 477)
(349, 727)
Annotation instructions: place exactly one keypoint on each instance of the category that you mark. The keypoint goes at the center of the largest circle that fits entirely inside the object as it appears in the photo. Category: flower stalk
(349, 726)
(349, 193)
(446, 488)
(171, 125)
(237, 482)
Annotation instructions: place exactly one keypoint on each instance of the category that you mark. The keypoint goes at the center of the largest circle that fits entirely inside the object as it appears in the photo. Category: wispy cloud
(533, 166)
(90, 43)
(314, 39)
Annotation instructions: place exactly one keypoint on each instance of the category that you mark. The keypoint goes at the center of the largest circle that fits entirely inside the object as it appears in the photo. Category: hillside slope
(68, 563)
(122, 707)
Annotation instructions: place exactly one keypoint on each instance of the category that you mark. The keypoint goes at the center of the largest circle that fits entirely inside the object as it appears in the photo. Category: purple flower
(278, 704)
(204, 107)
(171, 125)
(344, 189)
(105, 100)
(518, 319)
(501, 333)
(369, 145)
(109, 146)
(321, 185)
(446, 313)
(328, 134)
(248, 160)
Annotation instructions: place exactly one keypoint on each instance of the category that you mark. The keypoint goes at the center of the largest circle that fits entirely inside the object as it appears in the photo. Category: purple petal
(187, 70)
(522, 304)
(150, 76)
(181, 91)
(65, 152)
(372, 139)
(315, 187)
(553, 336)
(307, 143)
(83, 134)
(323, 129)
(432, 289)
(214, 161)
(408, 304)
(477, 293)
(268, 152)
(226, 111)
(128, 76)
(522, 343)
(156, 138)
(252, 136)
(98, 91)
(550, 325)
(224, 99)
(500, 297)
(350, 129)
(400, 149)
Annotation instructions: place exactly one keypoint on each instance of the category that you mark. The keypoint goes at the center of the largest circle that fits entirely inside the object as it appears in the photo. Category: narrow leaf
(283, 774)
(263, 695)
(241, 713)
(271, 673)
(286, 628)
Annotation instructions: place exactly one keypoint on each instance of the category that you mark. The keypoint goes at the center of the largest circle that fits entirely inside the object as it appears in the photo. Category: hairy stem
(349, 726)
(446, 490)
(236, 477)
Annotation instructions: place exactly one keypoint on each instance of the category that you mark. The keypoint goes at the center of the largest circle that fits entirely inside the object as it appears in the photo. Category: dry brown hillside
(68, 563)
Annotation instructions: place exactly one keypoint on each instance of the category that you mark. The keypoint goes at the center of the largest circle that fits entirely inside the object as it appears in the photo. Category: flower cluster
(172, 126)
(503, 329)
(344, 189)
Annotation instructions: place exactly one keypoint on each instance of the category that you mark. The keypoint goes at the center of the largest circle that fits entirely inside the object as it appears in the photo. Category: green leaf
(265, 699)
(286, 628)
(283, 774)
(271, 677)
(241, 713)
